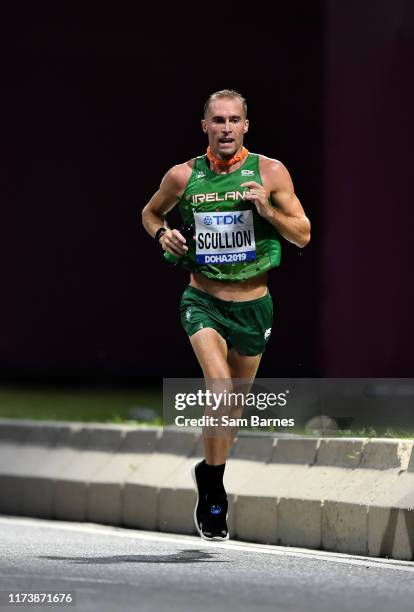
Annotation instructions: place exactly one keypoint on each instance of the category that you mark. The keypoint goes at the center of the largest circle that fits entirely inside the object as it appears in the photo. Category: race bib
(224, 237)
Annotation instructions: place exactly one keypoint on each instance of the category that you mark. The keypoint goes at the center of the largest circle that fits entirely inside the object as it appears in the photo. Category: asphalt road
(111, 569)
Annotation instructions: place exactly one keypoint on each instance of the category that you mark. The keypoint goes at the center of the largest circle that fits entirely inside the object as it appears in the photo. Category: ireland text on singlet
(233, 242)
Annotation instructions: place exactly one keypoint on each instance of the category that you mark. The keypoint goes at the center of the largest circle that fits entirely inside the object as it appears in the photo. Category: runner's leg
(243, 370)
(243, 366)
(211, 351)
(221, 365)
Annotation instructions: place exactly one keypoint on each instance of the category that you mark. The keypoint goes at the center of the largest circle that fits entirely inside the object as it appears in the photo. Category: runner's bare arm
(153, 214)
(286, 214)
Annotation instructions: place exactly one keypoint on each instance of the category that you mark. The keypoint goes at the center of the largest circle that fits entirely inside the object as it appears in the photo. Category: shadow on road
(184, 556)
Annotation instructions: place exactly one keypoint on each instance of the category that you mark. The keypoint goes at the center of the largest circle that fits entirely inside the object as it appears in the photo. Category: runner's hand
(174, 242)
(257, 194)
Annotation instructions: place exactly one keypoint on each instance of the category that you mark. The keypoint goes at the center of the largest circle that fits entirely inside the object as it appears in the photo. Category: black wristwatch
(159, 233)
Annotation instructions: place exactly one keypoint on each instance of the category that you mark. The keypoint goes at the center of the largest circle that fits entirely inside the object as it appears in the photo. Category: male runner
(240, 203)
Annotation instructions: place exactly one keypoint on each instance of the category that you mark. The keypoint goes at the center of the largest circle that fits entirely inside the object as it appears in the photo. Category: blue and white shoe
(210, 511)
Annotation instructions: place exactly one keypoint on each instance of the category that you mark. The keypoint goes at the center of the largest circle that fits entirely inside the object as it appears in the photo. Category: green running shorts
(245, 326)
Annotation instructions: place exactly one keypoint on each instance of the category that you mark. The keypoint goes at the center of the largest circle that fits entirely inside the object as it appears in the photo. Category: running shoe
(210, 511)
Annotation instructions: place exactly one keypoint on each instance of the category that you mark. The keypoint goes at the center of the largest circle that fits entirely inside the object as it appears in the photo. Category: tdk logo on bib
(225, 237)
(224, 219)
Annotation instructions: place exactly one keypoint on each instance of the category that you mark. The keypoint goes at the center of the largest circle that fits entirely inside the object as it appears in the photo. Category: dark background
(97, 107)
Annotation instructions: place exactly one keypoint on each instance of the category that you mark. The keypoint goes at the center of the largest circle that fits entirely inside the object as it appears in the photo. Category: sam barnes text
(226, 421)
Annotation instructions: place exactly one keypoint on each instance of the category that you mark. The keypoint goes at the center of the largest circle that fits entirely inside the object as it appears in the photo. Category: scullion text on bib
(224, 237)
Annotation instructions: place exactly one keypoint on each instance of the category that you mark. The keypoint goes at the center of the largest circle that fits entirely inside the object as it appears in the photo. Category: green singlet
(233, 242)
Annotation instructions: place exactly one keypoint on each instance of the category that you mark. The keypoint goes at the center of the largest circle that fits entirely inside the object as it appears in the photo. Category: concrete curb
(347, 495)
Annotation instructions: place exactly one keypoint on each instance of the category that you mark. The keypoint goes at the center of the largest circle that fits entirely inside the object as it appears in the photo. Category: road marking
(269, 549)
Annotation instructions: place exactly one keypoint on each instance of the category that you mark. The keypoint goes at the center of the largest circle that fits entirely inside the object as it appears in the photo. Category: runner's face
(225, 125)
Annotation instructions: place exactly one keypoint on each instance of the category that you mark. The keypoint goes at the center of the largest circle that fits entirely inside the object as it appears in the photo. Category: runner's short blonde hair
(225, 93)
